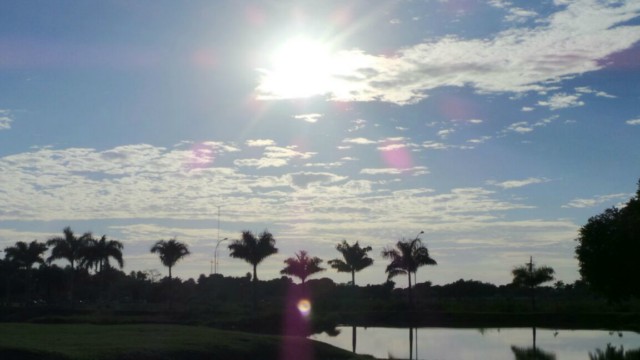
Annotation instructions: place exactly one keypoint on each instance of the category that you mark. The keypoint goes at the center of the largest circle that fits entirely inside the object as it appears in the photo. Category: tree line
(606, 251)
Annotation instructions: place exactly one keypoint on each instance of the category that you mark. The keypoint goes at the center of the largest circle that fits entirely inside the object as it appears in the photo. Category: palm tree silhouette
(24, 256)
(70, 248)
(170, 252)
(530, 276)
(97, 255)
(406, 258)
(253, 250)
(302, 266)
(355, 259)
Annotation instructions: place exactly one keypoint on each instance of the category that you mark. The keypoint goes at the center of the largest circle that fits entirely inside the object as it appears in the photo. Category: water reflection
(532, 353)
(488, 343)
(613, 353)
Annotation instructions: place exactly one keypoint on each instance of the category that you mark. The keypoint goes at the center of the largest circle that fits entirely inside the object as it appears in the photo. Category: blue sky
(496, 127)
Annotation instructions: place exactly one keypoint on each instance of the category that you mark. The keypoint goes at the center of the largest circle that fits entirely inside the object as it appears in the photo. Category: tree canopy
(302, 266)
(170, 252)
(608, 248)
(355, 259)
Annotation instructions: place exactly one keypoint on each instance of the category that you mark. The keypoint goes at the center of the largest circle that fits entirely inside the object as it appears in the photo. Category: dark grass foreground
(150, 342)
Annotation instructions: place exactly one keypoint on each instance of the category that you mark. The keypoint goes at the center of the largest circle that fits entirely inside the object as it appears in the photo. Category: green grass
(147, 342)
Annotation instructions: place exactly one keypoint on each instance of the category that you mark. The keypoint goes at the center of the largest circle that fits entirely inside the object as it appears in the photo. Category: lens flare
(304, 306)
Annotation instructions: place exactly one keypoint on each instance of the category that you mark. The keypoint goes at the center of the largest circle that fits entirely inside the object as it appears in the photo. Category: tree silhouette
(170, 252)
(355, 259)
(302, 266)
(406, 258)
(253, 250)
(97, 254)
(608, 246)
(530, 276)
(70, 248)
(24, 256)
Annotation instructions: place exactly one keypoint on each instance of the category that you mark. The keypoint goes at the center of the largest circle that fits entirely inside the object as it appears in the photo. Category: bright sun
(299, 68)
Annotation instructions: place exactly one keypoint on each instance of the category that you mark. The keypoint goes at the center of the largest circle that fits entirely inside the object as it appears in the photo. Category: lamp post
(215, 255)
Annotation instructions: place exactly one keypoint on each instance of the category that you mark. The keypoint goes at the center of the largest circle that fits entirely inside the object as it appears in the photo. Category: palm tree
(24, 256)
(97, 255)
(253, 250)
(406, 258)
(355, 259)
(530, 276)
(170, 252)
(70, 248)
(302, 266)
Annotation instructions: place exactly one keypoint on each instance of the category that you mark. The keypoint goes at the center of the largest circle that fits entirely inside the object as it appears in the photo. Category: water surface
(463, 344)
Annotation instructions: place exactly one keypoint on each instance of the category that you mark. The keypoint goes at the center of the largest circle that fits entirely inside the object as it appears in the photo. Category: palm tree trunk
(254, 290)
(353, 278)
(72, 286)
(410, 291)
(170, 273)
(353, 339)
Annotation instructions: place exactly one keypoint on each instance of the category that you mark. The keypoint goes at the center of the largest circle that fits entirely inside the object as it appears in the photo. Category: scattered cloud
(475, 121)
(562, 101)
(521, 127)
(421, 170)
(444, 133)
(527, 109)
(571, 41)
(633, 122)
(596, 200)
(304, 179)
(310, 118)
(479, 140)
(520, 15)
(511, 184)
(359, 141)
(5, 120)
(260, 142)
(357, 125)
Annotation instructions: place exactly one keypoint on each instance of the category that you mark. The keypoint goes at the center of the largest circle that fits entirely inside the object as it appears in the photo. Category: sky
(497, 127)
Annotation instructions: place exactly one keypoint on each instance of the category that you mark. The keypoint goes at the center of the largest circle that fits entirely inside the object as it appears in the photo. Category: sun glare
(300, 67)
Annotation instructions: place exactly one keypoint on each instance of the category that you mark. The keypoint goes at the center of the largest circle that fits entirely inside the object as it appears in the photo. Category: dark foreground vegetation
(146, 342)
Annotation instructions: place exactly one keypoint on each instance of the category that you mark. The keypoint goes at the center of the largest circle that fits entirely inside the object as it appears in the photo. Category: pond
(462, 344)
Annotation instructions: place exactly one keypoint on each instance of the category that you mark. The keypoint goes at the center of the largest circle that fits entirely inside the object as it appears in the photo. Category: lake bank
(151, 342)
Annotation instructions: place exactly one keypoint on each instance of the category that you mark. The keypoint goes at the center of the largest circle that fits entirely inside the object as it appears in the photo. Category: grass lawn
(150, 341)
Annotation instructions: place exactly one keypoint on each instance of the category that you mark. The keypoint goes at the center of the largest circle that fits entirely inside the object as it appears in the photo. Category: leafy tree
(97, 255)
(530, 276)
(406, 258)
(170, 252)
(253, 250)
(25, 256)
(302, 266)
(608, 246)
(70, 248)
(355, 259)
(98, 252)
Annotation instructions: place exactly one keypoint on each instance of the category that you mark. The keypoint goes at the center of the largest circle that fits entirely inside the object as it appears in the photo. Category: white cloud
(596, 200)
(511, 184)
(561, 101)
(475, 121)
(394, 171)
(520, 15)
(5, 120)
(569, 42)
(521, 127)
(435, 145)
(527, 109)
(357, 125)
(260, 142)
(310, 118)
(359, 141)
(633, 122)
(444, 133)
(274, 156)
(304, 179)
(479, 140)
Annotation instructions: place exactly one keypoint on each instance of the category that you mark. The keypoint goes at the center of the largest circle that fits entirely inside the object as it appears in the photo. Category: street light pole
(215, 255)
